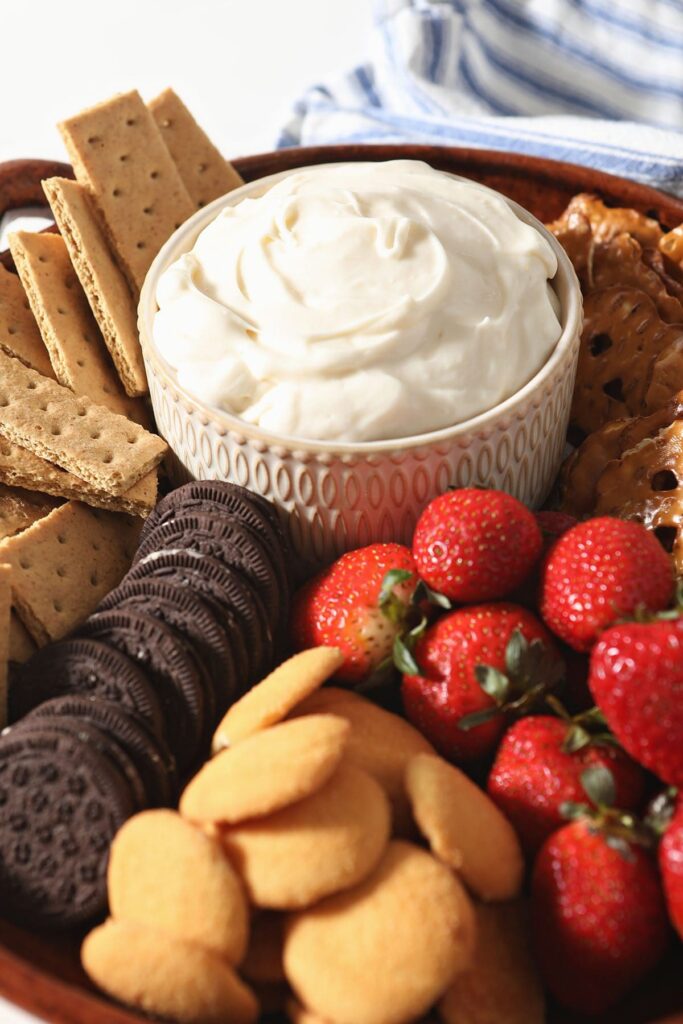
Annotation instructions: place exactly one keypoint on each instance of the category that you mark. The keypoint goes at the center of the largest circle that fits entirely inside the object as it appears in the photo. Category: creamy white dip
(360, 302)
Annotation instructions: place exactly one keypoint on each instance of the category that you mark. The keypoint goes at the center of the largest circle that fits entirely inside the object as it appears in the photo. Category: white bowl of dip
(325, 346)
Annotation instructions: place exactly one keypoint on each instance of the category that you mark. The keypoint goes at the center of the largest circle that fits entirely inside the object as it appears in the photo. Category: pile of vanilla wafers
(628, 399)
(78, 460)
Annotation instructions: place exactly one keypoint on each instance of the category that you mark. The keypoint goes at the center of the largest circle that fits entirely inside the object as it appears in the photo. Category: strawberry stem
(391, 605)
(423, 592)
(620, 829)
(531, 671)
(476, 718)
(403, 647)
(661, 811)
(580, 727)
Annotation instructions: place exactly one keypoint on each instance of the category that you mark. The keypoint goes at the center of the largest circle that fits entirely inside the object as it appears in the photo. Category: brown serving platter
(41, 972)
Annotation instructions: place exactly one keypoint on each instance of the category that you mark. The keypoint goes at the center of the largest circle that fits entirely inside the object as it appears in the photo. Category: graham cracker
(108, 451)
(63, 566)
(77, 350)
(19, 509)
(21, 646)
(105, 286)
(118, 153)
(19, 333)
(21, 468)
(205, 172)
(5, 612)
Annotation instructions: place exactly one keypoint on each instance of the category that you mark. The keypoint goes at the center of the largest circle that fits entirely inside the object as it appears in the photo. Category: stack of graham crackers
(78, 463)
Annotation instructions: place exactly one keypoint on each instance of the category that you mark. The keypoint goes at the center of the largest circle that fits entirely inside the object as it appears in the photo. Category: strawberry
(553, 524)
(598, 917)
(636, 678)
(347, 606)
(475, 545)
(538, 768)
(460, 670)
(671, 867)
(598, 572)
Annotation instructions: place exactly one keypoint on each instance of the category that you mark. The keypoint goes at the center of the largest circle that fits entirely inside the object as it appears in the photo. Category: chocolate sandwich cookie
(244, 514)
(89, 668)
(223, 493)
(204, 496)
(193, 618)
(207, 497)
(171, 668)
(227, 540)
(63, 801)
(242, 613)
(167, 613)
(152, 758)
(106, 744)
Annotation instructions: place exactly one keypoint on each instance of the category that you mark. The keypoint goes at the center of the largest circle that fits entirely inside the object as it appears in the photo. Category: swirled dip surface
(360, 302)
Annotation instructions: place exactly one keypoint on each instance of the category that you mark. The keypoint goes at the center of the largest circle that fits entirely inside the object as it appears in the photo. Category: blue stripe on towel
(517, 75)
(505, 10)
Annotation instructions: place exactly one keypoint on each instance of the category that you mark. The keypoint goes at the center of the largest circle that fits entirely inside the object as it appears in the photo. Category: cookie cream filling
(360, 302)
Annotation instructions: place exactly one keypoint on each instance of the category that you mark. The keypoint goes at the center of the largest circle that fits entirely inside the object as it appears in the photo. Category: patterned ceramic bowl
(337, 497)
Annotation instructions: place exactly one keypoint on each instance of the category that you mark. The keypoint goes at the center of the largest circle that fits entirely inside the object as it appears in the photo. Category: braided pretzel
(622, 336)
(621, 261)
(575, 235)
(666, 375)
(646, 484)
(607, 221)
(584, 467)
(670, 272)
(671, 244)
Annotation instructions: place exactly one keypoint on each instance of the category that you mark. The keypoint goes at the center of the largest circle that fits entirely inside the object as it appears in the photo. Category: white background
(238, 64)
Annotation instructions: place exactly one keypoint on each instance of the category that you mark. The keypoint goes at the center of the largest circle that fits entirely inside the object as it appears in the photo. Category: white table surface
(238, 64)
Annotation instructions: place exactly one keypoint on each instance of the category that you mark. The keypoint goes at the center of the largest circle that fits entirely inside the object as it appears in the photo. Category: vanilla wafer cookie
(105, 287)
(19, 333)
(21, 468)
(19, 509)
(380, 743)
(326, 842)
(386, 950)
(464, 828)
(64, 564)
(274, 697)
(118, 153)
(106, 450)
(167, 874)
(205, 172)
(166, 977)
(77, 351)
(5, 613)
(267, 771)
(502, 982)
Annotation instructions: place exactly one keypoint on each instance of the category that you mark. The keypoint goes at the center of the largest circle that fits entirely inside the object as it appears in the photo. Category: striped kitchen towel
(597, 82)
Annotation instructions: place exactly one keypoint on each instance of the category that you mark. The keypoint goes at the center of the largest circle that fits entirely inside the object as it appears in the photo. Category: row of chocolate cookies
(109, 720)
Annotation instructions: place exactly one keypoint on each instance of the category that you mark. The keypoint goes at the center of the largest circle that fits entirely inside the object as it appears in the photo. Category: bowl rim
(572, 315)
